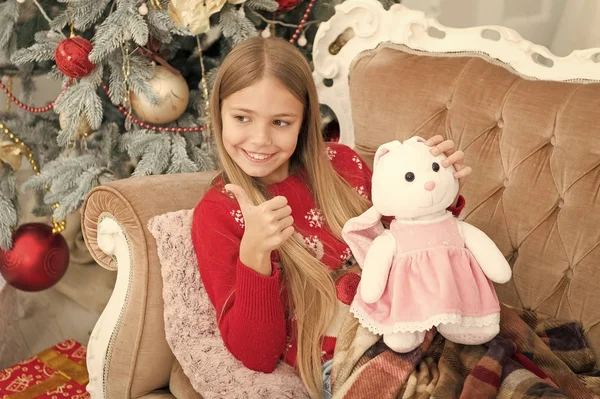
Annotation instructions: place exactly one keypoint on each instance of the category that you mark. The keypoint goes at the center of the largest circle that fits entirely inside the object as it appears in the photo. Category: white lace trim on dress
(443, 318)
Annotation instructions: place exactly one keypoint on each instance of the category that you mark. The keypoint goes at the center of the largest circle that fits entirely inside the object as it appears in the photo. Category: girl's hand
(267, 226)
(454, 157)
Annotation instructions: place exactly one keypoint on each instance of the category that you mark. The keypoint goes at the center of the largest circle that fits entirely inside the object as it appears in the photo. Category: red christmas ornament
(37, 260)
(287, 5)
(72, 57)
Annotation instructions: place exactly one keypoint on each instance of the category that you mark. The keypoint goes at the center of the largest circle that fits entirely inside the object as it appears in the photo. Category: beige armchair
(530, 136)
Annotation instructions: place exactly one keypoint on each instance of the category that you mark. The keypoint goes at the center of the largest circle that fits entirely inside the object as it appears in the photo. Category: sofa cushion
(535, 151)
(190, 324)
(180, 385)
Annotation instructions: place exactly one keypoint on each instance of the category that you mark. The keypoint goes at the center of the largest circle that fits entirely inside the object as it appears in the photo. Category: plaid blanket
(533, 356)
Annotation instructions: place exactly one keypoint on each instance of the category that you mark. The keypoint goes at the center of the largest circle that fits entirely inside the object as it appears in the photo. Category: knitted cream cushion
(190, 323)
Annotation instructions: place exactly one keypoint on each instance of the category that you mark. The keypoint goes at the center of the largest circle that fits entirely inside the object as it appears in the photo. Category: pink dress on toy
(434, 279)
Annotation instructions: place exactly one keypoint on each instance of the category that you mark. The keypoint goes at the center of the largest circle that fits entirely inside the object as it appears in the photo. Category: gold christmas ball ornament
(11, 154)
(173, 96)
(83, 128)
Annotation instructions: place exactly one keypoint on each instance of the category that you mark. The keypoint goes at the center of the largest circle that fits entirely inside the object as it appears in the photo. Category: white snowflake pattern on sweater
(238, 217)
(346, 254)
(314, 217)
(361, 191)
(358, 162)
(228, 193)
(331, 153)
(314, 245)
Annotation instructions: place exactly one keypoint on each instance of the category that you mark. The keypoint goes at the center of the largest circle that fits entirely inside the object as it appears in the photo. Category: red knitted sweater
(251, 308)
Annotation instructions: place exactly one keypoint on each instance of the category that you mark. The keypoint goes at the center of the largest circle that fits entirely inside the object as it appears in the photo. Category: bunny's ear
(384, 149)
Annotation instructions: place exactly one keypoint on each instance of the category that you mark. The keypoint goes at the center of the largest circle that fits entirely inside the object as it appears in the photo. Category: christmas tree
(136, 77)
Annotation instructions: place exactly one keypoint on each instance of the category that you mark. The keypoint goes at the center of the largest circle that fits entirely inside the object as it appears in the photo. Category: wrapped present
(57, 372)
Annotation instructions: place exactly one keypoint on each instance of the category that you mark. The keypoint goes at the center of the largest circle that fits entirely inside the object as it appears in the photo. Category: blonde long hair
(310, 286)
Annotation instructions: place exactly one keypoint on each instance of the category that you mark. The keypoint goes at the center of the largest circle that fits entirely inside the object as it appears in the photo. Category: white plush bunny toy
(429, 269)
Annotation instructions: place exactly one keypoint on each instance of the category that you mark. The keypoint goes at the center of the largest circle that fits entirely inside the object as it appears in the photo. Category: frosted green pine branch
(125, 3)
(59, 173)
(124, 21)
(234, 25)
(137, 26)
(9, 206)
(48, 36)
(199, 155)
(61, 20)
(70, 178)
(180, 160)
(43, 50)
(78, 100)
(84, 13)
(155, 152)
(40, 209)
(54, 73)
(92, 105)
(162, 26)
(71, 201)
(265, 5)
(141, 72)
(203, 159)
(41, 138)
(109, 147)
(116, 78)
(9, 14)
(94, 79)
(135, 142)
(110, 35)
(158, 25)
(155, 157)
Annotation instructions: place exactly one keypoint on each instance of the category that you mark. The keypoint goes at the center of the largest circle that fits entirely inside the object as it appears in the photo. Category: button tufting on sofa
(569, 274)
(527, 214)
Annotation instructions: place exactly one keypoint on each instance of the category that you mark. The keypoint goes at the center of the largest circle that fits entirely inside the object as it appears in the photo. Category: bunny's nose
(429, 186)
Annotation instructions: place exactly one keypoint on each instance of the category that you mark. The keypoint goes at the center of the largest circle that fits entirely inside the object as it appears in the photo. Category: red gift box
(57, 372)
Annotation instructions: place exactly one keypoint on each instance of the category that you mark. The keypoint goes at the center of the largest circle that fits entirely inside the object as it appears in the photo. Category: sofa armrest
(128, 355)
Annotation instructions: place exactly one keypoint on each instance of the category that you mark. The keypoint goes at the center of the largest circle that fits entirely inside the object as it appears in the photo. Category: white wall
(560, 25)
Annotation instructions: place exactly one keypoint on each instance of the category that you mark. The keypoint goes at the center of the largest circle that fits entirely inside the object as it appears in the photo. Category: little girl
(267, 233)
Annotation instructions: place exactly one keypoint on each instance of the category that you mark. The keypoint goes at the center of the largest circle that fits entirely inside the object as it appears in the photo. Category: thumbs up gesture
(267, 226)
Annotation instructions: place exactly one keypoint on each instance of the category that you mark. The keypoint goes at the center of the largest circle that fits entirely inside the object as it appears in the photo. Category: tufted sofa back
(535, 151)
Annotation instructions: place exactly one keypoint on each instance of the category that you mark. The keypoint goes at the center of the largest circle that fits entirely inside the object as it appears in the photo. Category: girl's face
(261, 124)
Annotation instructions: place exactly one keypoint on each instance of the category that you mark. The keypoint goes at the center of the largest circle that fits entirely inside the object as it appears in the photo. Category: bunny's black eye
(410, 176)
(435, 167)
